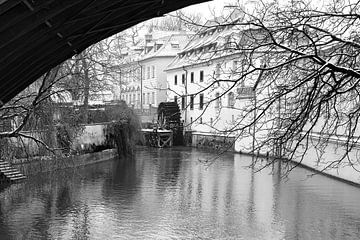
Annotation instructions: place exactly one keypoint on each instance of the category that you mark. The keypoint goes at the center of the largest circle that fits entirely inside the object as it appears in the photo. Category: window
(200, 120)
(231, 100)
(175, 45)
(211, 121)
(228, 41)
(217, 100)
(138, 72)
(153, 98)
(175, 80)
(143, 98)
(153, 71)
(201, 102)
(148, 98)
(148, 72)
(183, 78)
(245, 92)
(201, 76)
(217, 71)
(183, 105)
(192, 77)
(134, 98)
(191, 119)
(235, 64)
(175, 99)
(138, 100)
(191, 102)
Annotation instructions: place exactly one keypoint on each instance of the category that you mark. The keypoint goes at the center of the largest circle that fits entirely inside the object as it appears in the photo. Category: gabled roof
(167, 46)
(203, 46)
(218, 38)
(35, 36)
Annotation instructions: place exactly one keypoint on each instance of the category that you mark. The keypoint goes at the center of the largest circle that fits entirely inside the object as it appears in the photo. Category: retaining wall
(333, 152)
(47, 164)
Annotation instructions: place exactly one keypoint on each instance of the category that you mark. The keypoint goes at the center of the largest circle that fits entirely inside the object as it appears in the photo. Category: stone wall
(93, 134)
(212, 141)
(47, 164)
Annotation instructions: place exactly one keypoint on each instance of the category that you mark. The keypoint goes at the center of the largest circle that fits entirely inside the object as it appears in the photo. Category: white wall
(92, 134)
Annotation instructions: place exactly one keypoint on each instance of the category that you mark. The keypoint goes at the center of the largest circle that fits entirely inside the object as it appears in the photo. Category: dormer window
(157, 47)
(175, 45)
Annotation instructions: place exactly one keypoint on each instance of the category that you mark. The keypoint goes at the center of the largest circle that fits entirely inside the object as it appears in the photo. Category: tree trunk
(86, 88)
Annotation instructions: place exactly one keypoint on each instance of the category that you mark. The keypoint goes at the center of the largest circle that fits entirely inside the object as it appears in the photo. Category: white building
(202, 78)
(143, 79)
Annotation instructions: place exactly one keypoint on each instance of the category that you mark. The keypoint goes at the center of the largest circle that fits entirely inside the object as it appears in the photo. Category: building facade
(204, 80)
(143, 79)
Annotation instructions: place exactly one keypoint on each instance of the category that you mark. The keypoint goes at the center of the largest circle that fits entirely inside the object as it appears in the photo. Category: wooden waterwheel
(169, 117)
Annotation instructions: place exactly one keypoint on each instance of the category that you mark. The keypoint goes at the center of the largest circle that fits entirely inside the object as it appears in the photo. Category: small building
(142, 79)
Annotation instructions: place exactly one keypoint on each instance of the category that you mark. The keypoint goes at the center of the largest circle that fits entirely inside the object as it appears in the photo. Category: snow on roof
(203, 47)
(169, 46)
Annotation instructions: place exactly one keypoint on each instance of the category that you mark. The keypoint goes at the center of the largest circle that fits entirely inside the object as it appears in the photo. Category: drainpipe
(120, 85)
(141, 88)
(255, 113)
(186, 93)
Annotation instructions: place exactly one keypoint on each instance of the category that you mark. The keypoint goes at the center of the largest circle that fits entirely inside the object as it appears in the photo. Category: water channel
(169, 194)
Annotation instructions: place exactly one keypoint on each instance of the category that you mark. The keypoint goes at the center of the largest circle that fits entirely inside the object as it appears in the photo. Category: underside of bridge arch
(37, 35)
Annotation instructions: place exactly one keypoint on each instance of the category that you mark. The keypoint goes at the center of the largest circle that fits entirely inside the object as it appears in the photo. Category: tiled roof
(203, 46)
(213, 41)
(168, 46)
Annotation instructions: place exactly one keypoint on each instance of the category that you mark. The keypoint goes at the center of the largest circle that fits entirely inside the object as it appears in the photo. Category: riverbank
(47, 164)
(342, 171)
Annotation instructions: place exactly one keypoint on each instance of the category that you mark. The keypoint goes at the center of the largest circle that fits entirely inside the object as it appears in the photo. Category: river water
(169, 194)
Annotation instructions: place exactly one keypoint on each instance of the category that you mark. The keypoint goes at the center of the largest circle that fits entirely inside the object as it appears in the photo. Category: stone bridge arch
(37, 35)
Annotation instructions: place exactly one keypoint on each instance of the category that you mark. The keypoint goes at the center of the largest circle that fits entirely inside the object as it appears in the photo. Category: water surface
(169, 194)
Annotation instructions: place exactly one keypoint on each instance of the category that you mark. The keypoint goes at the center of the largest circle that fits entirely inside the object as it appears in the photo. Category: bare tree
(30, 118)
(39, 108)
(299, 65)
(93, 72)
(177, 21)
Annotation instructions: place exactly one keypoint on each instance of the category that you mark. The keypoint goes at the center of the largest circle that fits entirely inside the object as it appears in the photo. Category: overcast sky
(217, 5)
(207, 7)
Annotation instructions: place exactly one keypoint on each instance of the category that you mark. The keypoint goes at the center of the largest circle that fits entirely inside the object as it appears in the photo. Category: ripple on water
(169, 194)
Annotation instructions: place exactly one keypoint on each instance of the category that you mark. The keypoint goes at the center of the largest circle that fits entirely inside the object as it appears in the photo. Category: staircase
(9, 173)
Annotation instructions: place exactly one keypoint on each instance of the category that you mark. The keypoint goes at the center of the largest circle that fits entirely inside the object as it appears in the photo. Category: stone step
(14, 174)
(4, 164)
(5, 168)
(17, 178)
(9, 173)
(9, 170)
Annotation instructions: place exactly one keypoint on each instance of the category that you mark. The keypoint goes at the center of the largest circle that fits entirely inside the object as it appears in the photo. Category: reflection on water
(168, 194)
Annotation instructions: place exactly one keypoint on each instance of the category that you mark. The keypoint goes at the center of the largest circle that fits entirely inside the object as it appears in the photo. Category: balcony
(245, 92)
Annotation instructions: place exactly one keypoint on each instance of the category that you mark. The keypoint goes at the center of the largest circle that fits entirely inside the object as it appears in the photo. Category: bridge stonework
(38, 35)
